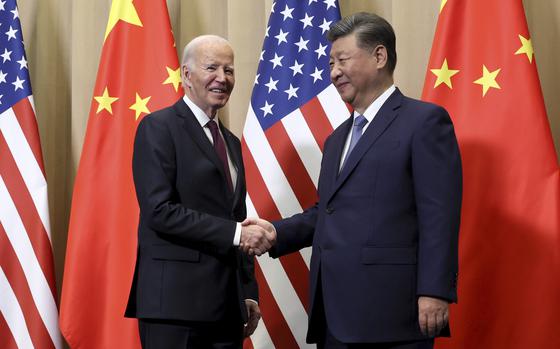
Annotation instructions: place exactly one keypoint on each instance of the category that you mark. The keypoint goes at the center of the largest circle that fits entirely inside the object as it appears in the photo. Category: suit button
(329, 210)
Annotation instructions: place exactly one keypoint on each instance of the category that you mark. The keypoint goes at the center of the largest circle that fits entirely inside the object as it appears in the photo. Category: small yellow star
(105, 102)
(444, 74)
(488, 80)
(174, 77)
(122, 10)
(442, 5)
(526, 47)
(140, 106)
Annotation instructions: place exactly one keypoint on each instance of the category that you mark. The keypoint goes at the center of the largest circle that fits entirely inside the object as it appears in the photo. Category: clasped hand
(257, 236)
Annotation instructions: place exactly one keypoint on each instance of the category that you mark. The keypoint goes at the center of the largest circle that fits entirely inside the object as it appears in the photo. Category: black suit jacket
(187, 267)
(385, 229)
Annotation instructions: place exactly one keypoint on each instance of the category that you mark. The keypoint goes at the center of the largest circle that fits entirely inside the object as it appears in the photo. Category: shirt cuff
(252, 300)
(237, 236)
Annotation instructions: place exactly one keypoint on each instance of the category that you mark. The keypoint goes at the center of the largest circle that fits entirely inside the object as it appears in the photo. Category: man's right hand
(257, 236)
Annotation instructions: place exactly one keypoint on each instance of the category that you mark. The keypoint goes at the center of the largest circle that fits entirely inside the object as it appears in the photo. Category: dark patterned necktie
(220, 148)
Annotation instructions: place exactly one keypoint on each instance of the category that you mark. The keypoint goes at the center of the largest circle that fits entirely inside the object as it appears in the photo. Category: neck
(378, 91)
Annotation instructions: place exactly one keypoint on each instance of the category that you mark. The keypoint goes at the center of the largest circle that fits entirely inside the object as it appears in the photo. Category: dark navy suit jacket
(385, 229)
(187, 267)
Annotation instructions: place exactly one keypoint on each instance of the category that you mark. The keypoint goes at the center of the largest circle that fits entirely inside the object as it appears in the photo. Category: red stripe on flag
(291, 165)
(6, 338)
(27, 212)
(248, 344)
(17, 280)
(28, 123)
(293, 264)
(281, 336)
(317, 119)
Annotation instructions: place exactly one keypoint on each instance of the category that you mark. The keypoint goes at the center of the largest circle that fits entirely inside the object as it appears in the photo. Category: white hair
(189, 52)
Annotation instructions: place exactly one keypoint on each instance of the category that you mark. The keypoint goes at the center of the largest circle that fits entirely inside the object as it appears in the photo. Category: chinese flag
(138, 73)
(482, 70)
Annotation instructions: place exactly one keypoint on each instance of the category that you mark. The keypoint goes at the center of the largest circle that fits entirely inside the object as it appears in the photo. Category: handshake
(257, 236)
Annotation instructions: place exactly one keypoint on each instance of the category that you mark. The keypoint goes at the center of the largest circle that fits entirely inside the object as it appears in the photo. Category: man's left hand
(254, 314)
(433, 315)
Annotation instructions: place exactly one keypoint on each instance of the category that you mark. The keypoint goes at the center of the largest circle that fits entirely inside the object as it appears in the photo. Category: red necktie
(220, 148)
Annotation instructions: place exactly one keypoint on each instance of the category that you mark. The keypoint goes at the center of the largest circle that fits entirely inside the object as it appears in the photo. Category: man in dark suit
(193, 287)
(385, 229)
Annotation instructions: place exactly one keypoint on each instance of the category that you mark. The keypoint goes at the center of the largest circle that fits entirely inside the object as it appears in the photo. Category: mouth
(218, 90)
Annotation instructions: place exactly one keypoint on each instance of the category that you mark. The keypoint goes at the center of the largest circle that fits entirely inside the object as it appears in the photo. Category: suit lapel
(332, 158)
(236, 159)
(379, 124)
(197, 134)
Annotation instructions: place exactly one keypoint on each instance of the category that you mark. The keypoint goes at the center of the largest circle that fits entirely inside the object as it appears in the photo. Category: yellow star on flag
(526, 47)
(141, 105)
(122, 10)
(442, 5)
(105, 102)
(488, 80)
(174, 77)
(444, 74)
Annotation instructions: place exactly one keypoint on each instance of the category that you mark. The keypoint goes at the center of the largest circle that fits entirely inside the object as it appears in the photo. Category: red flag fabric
(294, 107)
(138, 73)
(28, 307)
(482, 70)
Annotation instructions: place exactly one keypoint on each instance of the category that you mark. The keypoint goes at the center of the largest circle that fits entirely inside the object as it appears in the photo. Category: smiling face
(208, 75)
(358, 73)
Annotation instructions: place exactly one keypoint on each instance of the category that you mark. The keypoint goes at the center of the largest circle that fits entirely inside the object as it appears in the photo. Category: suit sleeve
(436, 167)
(154, 171)
(295, 233)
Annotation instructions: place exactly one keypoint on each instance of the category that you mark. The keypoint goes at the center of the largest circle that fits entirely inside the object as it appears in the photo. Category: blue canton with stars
(294, 63)
(14, 75)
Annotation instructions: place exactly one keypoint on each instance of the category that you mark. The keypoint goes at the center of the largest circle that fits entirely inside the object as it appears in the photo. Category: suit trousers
(172, 334)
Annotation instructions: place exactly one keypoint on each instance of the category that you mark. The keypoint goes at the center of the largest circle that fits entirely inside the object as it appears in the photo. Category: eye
(211, 68)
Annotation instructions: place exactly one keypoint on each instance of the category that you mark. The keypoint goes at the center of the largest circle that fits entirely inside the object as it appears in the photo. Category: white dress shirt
(203, 119)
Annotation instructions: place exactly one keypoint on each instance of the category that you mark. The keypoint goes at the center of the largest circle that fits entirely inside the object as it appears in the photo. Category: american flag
(294, 107)
(28, 308)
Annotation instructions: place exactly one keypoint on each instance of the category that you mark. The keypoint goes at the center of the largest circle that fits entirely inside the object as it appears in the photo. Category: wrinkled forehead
(214, 52)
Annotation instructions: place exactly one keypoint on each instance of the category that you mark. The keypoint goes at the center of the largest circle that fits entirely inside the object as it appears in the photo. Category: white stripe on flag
(40, 290)
(10, 309)
(271, 172)
(304, 142)
(27, 165)
(334, 106)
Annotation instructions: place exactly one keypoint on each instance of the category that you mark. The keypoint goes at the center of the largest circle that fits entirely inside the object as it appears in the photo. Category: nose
(220, 75)
(335, 72)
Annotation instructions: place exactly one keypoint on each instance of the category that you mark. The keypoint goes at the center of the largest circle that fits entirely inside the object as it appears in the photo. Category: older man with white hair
(193, 287)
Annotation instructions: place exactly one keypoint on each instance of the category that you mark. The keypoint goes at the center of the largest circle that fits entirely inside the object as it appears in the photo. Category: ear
(380, 54)
(186, 76)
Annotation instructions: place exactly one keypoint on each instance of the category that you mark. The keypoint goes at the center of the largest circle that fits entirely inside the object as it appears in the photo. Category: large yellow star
(526, 47)
(174, 77)
(444, 74)
(488, 80)
(122, 10)
(141, 105)
(442, 5)
(105, 102)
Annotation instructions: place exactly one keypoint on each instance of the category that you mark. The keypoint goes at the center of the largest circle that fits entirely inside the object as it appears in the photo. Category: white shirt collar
(198, 113)
(374, 107)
